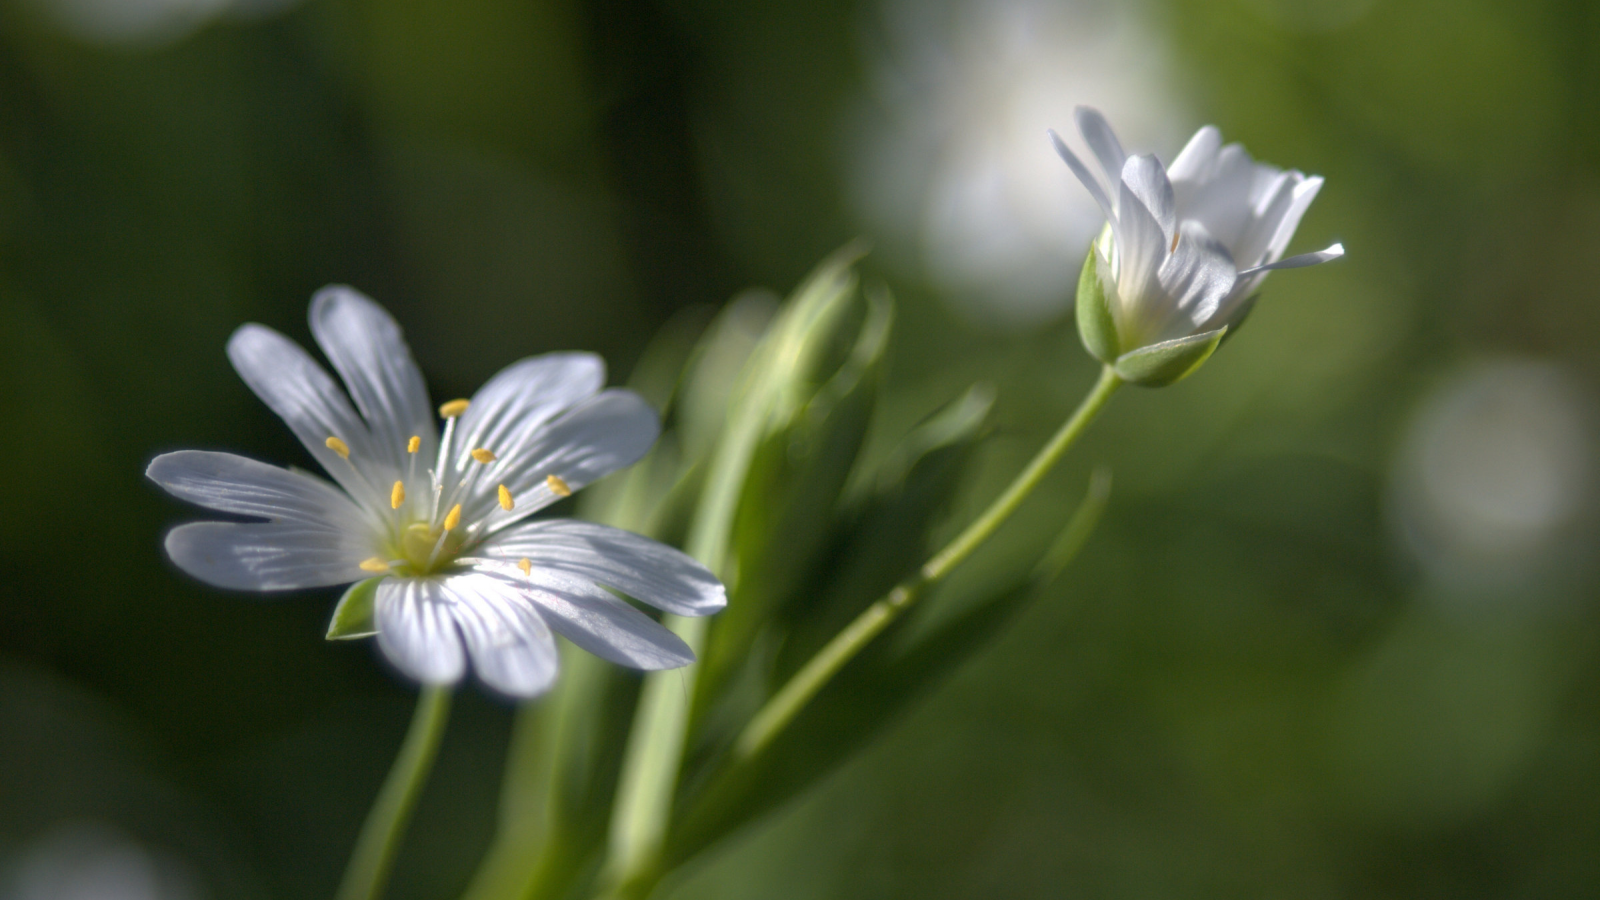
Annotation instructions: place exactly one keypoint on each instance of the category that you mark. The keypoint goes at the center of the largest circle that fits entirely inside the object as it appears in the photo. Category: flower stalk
(373, 858)
(779, 711)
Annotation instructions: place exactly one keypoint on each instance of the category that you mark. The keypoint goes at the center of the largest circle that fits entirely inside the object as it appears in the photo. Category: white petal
(1251, 248)
(235, 484)
(604, 433)
(598, 622)
(1096, 189)
(368, 351)
(1198, 157)
(1144, 176)
(1140, 247)
(1222, 203)
(512, 650)
(646, 570)
(292, 385)
(1305, 191)
(1333, 252)
(1105, 147)
(1198, 276)
(417, 629)
(265, 556)
(508, 410)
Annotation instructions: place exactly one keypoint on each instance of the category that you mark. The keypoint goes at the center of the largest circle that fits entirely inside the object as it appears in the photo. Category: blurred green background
(1336, 637)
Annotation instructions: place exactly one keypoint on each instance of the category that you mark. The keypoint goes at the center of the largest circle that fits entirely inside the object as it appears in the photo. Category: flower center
(424, 534)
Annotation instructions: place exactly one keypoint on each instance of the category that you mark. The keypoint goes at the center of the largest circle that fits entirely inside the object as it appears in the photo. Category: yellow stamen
(505, 499)
(557, 486)
(452, 409)
(374, 564)
(398, 495)
(338, 446)
(414, 444)
(526, 566)
(452, 518)
(484, 456)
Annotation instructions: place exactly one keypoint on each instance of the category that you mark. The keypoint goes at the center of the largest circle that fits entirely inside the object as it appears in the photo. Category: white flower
(1186, 248)
(440, 519)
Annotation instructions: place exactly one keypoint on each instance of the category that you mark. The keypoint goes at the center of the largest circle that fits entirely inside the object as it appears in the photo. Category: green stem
(798, 691)
(373, 857)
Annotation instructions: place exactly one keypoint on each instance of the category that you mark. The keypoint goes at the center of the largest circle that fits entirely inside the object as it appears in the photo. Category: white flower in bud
(1184, 248)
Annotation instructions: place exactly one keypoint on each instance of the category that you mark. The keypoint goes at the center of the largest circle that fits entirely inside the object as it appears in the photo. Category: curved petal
(1139, 247)
(596, 621)
(417, 629)
(1144, 176)
(292, 385)
(265, 556)
(1223, 201)
(368, 351)
(1103, 143)
(512, 650)
(1333, 252)
(1097, 190)
(1197, 277)
(236, 484)
(646, 570)
(1250, 247)
(1196, 161)
(522, 397)
(1304, 191)
(604, 433)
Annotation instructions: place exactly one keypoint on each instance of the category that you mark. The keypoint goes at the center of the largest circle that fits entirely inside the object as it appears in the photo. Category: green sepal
(352, 618)
(1096, 326)
(1236, 320)
(1162, 364)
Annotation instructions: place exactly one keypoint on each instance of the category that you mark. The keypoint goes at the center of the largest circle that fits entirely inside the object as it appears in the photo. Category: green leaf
(1169, 361)
(911, 657)
(886, 537)
(789, 505)
(1096, 326)
(352, 618)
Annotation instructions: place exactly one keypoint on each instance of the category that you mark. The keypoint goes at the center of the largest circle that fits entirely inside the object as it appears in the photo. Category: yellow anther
(484, 456)
(526, 565)
(452, 409)
(414, 444)
(375, 564)
(505, 499)
(338, 446)
(557, 486)
(452, 518)
(397, 496)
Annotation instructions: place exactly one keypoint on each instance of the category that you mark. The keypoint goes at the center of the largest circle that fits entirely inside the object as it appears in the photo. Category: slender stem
(376, 847)
(798, 691)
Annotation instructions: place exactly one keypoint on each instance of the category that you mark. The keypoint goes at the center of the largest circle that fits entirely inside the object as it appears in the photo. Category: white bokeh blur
(954, 172)
(1495, 477)
(90, 861)
(147, 23)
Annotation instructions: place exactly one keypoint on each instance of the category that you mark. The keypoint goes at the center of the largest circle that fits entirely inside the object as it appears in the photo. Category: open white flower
(433, 527)
(1184, 249)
